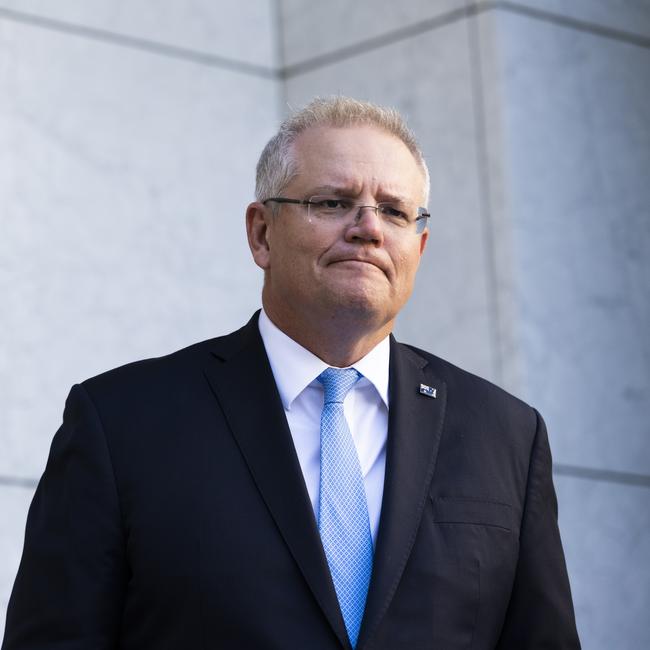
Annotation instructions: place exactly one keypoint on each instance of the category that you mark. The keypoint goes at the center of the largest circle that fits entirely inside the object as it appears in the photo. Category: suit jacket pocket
(485, 532)
(468, 510)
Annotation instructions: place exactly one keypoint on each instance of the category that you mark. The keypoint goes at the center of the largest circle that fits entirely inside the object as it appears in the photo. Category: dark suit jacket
(173, 514)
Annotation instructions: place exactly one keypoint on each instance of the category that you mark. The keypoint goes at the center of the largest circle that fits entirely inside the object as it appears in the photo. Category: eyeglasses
(336, 209)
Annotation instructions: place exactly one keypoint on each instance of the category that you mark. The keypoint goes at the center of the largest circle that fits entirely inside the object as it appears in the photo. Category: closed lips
(358, 260)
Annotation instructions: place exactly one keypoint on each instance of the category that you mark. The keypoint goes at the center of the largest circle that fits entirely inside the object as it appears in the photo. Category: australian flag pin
(428, 391)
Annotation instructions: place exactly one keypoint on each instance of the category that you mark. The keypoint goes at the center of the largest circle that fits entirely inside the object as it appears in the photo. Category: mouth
(358, 264)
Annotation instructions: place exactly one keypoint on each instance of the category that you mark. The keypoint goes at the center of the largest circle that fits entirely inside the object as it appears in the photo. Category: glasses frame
(422, 217)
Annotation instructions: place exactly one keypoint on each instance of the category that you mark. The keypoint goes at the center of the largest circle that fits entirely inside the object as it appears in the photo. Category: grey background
(129, 133)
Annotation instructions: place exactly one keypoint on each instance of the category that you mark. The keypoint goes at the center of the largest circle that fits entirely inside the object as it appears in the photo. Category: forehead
(357, 158)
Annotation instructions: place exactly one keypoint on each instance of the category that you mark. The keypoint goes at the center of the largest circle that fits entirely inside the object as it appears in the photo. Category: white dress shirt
(295, 370)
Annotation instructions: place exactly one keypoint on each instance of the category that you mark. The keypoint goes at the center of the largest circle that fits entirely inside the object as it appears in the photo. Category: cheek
(407, 265)
(292, 261)
(406, 262)
(304, 253)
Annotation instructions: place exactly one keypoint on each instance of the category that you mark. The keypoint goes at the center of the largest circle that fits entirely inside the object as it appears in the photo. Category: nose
(367, 226)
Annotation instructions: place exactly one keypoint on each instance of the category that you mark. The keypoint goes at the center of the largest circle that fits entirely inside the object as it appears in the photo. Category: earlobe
(258, 233)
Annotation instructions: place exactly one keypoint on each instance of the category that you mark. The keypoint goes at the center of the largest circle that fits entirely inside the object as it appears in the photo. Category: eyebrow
(342, 190)
(332, 189)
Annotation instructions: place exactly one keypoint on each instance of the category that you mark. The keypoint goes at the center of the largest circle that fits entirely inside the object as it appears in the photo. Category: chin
(358, 302)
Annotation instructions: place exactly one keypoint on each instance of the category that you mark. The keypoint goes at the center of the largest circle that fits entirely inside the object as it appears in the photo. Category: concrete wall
(129, 133)
(575, 157)
(576, 153)
(128, 136)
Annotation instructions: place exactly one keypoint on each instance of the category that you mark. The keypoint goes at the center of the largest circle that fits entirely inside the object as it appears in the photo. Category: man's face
(360, 269)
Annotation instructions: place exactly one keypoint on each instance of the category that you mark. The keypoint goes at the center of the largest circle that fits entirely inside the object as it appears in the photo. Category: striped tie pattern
(343, 511)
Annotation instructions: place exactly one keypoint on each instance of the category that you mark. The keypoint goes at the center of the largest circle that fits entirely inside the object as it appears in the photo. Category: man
(307, 481)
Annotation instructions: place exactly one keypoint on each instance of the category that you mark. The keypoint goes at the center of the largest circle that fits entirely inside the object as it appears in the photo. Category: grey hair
(277, 164)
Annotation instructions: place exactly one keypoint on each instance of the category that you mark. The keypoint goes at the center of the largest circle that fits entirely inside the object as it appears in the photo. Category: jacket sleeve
(70, 586)
(540, 614)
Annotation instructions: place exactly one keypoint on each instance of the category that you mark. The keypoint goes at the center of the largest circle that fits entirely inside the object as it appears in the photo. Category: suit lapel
(414, 429)
(242, 381)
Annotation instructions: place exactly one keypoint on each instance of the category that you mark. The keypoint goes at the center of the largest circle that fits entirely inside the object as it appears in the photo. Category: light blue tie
(343, 511)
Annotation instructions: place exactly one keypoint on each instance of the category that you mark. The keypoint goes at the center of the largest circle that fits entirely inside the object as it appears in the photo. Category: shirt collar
(295, 367)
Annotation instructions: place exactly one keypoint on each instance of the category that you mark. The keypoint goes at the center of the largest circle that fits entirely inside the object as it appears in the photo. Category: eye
(330, 204)
(393, 212)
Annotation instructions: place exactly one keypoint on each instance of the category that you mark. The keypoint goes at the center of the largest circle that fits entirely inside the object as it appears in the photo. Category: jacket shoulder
(476, 393)
(171, 369)
(151, 370)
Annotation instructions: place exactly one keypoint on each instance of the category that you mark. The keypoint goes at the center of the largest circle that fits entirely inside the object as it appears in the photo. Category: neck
(340, 340)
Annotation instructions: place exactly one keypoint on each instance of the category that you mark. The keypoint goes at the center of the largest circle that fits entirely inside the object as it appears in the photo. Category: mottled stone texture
(128, 137)
(14, 502)
(243, 32)
(606, 531)
(569, 189)
(124, 174)
(629, 16)
(579, 208)
(312, 30)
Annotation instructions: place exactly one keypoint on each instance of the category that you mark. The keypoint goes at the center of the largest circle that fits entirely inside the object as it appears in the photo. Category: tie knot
(337, 383)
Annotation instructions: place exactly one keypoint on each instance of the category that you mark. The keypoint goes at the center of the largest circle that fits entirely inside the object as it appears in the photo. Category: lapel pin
(428, 391)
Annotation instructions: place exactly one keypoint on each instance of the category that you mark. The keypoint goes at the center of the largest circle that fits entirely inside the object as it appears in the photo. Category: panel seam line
(285, 72)
(143, 44)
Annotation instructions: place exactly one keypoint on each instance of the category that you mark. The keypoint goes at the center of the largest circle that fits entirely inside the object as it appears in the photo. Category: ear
(423, 240)
(257, 231)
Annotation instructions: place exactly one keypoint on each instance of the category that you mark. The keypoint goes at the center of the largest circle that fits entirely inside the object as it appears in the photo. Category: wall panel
(14, 502)
(312, 30)
(606, 533)
(235, 30)
(125, 179)
(577, 151)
